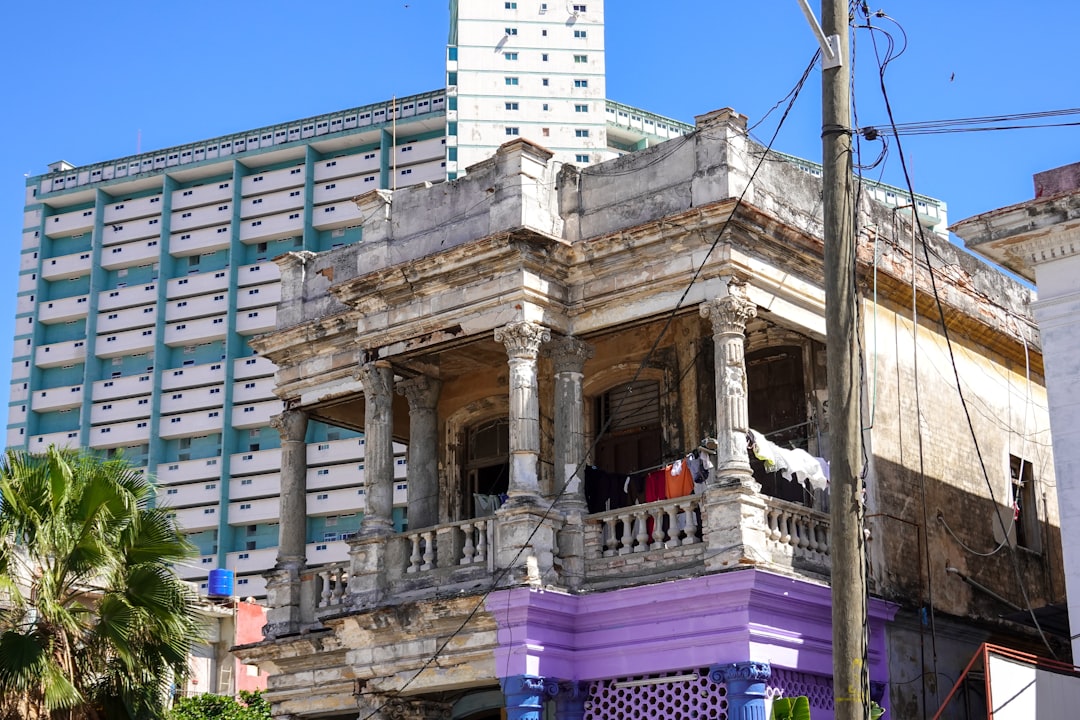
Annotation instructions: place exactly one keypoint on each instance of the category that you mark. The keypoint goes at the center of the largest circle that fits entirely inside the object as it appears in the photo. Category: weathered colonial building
(544, 339)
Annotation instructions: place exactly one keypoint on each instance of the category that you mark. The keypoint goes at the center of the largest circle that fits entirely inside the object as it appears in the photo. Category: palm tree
(93, 621)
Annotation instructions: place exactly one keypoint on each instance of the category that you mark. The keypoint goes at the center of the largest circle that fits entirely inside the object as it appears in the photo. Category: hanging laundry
(791, 464)
(678, 480)
(656, 486)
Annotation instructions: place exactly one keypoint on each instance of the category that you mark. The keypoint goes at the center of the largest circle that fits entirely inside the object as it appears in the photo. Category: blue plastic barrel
(220, 583)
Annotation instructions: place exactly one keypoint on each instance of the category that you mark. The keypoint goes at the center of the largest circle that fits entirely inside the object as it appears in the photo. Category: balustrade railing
(797, 530)
(451, 545)
(653, 526)
(332, 584)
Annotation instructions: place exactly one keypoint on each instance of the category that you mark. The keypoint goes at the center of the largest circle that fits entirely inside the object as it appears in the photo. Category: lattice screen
(699, 699)
(789, 683)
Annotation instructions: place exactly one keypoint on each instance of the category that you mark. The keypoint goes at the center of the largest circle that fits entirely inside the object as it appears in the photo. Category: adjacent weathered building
(552, 335)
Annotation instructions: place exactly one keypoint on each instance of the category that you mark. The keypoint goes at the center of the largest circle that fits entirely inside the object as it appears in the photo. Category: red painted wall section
(250, 618)
(1052, 182)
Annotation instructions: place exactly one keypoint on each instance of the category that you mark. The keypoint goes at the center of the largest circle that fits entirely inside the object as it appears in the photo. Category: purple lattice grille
(700, 699)
(789, 683)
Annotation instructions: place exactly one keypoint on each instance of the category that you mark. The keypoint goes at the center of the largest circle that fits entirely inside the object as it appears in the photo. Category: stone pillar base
(284, 615)
(514, 529)
(374, 560)
(733, 525)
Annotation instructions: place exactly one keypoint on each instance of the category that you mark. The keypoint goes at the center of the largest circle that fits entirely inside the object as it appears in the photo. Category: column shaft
(378, 379)
(523, 340)
(729, 315)
(569, 355)
(292, 530)
(422, 393)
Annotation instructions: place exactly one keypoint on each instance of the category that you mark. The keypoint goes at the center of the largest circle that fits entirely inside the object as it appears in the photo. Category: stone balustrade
(654, 526)
(466, 542)
(331, 585)
(796, 532)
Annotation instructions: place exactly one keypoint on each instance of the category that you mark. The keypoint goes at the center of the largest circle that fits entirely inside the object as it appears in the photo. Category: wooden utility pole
(850, 674)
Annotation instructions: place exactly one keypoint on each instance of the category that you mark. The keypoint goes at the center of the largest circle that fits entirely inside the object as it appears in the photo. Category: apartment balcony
(120, 387)
(252, 512)
(252, 367)
(199, 398)
(62, 439)
(268, 294)
(120, 344)
(116, 410)
(328, 551)
(723, 528)
(130, 230)
(196, 519)
(189, 495)
(196, 568)
(123, 434)
(253, 322)
(255, 462)
(290, 177)
(343, 213)
(127, 319)
(199, 241)
(193, 376)
(347, 165)
(272, 227)
(127, 297)
(255, 415)
(253, 390)
(254, 486)
(140, 252)
(203, 216)
(64, 267)
(198, 284)
(57, 398)
(351, 473)
(335, 451)
(190, 424)
(253, 586)
(335, 502)
(263, 272)
(131, 209)
(59, 354)
(251, 561)
(341, 189)
(69, 223)
(186, 471)
(195, 331)
(281, 201)
(197, 306)
(216, 193)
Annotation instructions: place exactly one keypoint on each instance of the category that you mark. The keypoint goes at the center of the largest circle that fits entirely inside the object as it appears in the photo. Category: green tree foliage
(251, 706)
(93, 621)
(793, 708)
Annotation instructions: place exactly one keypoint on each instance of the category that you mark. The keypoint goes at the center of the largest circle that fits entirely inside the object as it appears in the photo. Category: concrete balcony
(131, 209)
(189, 495)
(335, 451)
(256, 414)
(119, 409)
(58, 398)
(723, 528)
(66, 266)
(194, 332)
(254, 486)
(122, 434)
(198, 398)
(262, 296)
(203, 240)
(69, 223)
(258, 274)
(193, 376)
(197, 568)
(190, 424)
(335, 502)
(252, 512)
(127, 319)
(62, 439)
(140, 252)
(255, 321)
(121, 387)
(255, 462)
(198, 284)
(197, 519)
(253, 586)
(120, 344)
(60, 354)
(127, 297)
(253, 390)
(188, 471)
(252, 367)
(251, 561)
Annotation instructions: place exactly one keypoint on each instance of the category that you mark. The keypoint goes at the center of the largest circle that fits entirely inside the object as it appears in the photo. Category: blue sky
(87, 82)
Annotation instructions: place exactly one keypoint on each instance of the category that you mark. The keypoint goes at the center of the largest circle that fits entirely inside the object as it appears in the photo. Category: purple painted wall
(675, 626)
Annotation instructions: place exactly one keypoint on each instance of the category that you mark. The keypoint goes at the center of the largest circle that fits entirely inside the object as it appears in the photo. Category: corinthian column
(378, 380)
(292, 530)
(422, 392)
(729, 315)
(523, 340)
(569, 355)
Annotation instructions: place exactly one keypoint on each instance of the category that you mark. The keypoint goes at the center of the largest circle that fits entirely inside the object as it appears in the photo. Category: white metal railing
(653, 526)
(798, 530)
(454, 544)
(332, 582)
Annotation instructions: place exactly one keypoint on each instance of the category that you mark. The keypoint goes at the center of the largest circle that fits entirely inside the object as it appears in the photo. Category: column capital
(418, 709)
(752, 671)
(291, 424)
(569, 354)
(729, 313)
(421, 391)
(522, 338)
(376, 376)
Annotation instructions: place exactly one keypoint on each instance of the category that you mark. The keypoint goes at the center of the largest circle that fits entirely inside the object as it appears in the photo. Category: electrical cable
(948, 340)
(641, 367)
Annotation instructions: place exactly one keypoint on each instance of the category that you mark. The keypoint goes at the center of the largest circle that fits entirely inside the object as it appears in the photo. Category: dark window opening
(776, 397)
(628, 426)
(486, 474)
